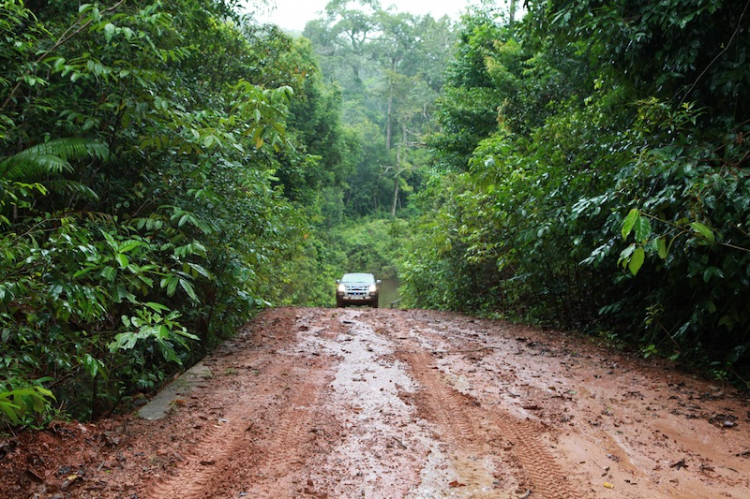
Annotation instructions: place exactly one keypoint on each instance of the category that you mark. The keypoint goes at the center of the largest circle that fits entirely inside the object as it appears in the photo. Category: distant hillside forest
(168, 169)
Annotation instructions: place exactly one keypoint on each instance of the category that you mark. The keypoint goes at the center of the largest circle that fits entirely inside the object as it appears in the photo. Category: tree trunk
(395, 181)
(395, 200)
(388, 123)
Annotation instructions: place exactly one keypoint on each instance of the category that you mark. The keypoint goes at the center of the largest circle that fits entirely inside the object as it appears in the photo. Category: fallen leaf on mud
(609, 485)
(743, 454)
(532, 407)
(208, 462)
(357, 409)
(723, 421)
(455, 484)
(679, 464)
(399, 442)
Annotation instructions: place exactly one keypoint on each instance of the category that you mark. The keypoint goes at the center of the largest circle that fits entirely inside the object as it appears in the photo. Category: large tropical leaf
(42, 161)
(49, 158)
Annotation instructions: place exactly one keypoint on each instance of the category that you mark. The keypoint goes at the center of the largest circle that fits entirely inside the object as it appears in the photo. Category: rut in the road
(459, 415)
(261, 445)
(226, 462)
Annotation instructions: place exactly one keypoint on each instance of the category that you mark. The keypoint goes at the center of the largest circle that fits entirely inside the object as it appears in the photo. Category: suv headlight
(373, 288)
(342, 288)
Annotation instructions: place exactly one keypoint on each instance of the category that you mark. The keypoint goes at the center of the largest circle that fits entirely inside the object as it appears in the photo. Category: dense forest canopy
(591, 173)
(169, 168)
(389, 68)
(162, 169)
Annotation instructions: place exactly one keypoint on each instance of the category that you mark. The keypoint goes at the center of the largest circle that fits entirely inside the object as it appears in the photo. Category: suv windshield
(358, 278)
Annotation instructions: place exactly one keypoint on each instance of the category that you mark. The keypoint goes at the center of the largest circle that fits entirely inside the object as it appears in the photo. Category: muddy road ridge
(326, 403)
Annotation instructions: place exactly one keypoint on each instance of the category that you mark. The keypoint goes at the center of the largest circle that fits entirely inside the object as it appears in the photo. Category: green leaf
(200, 270)
(156, 306)
(124, 341)
(636, 261)
(10, 410)
(110, 239)
(109, 273)
(172, 285)
(703, 231)
(109, 31)
(129, 245)
(642, 229)
(189, 290)
(661, 248)
(627, 225)
(123, 260)
(711, 272)
(625, 255)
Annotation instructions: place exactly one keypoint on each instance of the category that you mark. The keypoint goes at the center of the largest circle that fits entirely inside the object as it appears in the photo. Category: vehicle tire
(340, 304)
(374, 302)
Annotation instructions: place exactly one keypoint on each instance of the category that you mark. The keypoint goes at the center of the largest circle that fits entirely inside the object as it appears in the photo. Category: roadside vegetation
(167, 169)
(163, 166)
(591, 172)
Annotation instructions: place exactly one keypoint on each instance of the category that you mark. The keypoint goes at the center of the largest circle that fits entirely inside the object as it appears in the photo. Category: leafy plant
(20, 403)
(621, 204)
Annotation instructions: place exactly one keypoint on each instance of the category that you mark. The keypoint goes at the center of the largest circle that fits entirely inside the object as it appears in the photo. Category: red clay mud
(367, 403)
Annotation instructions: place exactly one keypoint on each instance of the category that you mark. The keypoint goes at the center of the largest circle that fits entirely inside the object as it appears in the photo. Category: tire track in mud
(285, 452)
(546, 476)
(447, 407)
(458, 414)
(194, 476)
(257, 466)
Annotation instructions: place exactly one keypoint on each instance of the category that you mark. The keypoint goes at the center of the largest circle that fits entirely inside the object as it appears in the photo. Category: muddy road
(326, 403)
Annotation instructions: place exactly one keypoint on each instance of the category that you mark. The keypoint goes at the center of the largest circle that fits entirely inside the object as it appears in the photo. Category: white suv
(357, 289)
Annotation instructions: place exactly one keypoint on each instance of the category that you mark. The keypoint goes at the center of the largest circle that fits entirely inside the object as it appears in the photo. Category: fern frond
(27, 167)
(39, 162)
(70, 149)
(71, 187)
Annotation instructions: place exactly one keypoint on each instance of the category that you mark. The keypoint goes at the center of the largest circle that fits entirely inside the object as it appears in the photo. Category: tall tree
(389, 65)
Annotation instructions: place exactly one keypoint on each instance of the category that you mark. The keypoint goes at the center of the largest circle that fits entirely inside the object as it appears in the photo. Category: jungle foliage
(389, 67)
(161, 171)
(591, 172)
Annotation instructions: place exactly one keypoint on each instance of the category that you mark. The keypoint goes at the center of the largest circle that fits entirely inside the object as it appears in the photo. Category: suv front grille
(357, 290)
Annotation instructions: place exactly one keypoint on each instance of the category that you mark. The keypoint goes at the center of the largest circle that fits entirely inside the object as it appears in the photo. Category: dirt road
(408, 404)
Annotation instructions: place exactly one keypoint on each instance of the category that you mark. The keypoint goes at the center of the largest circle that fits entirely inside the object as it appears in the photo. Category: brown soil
(367, 403)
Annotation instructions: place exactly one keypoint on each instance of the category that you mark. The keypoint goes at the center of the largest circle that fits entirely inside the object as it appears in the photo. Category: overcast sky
(293, 14)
